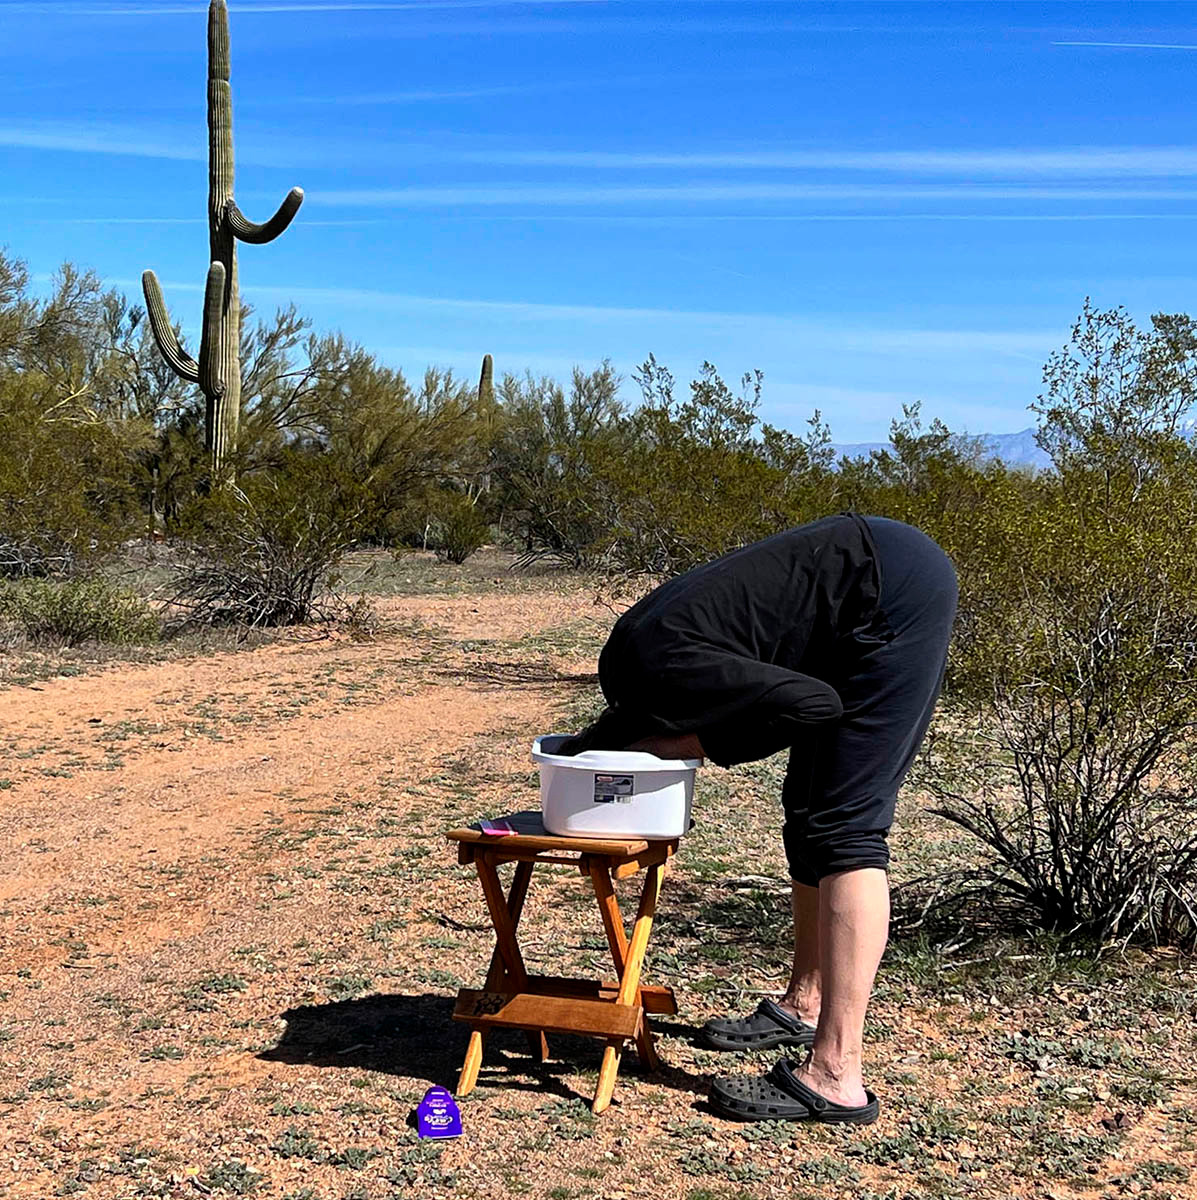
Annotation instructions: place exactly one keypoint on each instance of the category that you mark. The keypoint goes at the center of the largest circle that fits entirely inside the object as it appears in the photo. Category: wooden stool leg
(629, 981)
(473, 1063)
(617, 939)
(514, 906)
(502, 918)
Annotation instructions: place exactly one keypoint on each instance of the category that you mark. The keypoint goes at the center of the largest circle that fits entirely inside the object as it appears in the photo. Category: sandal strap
(783, 1076)
(779, 1016)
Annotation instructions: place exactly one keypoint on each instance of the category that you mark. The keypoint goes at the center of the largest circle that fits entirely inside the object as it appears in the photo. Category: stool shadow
(391, 1033)
(416, 1037)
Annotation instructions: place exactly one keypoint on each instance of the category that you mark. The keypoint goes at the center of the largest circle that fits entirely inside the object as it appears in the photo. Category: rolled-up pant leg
(842, 783)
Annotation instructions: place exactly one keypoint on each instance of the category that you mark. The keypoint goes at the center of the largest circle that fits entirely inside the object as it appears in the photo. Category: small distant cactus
(486, 384)
(218, 371)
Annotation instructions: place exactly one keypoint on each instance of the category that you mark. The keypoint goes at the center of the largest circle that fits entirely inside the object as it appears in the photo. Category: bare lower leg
(853, 928)
(804, 993)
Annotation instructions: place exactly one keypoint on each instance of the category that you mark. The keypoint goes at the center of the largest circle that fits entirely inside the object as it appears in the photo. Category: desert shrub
(697, 477)
(1089, 807)
(74, 611)
(1078, 650)
(81, 388)
(1116, 395)
(63, 502)
(264, 553)
(550, 451)
(457, 525)
(325, 396)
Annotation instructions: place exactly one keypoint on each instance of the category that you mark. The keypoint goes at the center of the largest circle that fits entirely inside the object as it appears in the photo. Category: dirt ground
(231, 933)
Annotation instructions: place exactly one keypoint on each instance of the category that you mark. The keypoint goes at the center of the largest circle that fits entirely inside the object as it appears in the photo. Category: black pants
(842, 782)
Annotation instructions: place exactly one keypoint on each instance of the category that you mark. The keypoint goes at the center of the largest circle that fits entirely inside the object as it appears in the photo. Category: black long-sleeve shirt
(743, 650)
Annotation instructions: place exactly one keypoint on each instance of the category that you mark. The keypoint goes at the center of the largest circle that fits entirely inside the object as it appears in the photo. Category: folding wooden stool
(540, 1004)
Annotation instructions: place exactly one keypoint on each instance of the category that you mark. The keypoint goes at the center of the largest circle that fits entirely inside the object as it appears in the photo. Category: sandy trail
(149, 815)
(231, 930)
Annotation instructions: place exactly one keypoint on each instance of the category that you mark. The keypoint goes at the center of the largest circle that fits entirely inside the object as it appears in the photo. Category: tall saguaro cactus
(218, 370)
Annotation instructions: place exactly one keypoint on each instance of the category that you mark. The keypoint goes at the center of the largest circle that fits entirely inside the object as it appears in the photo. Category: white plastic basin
(613, 793)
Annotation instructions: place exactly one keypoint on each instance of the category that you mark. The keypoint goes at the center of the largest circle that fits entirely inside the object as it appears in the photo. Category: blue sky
(872, 202)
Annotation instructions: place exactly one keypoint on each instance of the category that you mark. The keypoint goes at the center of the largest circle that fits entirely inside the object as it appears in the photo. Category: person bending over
(829, 639)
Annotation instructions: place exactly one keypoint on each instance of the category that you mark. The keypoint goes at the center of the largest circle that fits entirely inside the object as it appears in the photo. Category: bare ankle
(802, 1005)
(836, 1079)
(842, 1070)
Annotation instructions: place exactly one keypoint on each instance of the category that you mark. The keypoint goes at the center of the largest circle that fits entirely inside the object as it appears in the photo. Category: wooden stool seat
(512, 999)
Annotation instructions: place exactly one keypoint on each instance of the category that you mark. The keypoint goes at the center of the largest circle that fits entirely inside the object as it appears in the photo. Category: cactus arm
(211, 379)
(179, 361)
(259, 235)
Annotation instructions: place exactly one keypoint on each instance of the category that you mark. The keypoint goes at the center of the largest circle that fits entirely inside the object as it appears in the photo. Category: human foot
(782, 1096)
(843, 1086)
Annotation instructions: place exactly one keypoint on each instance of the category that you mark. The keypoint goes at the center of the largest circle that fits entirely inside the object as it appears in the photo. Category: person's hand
(685, 745)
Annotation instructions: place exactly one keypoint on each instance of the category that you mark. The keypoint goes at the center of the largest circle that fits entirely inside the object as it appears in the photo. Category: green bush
(1081, 660)
(79, 610)
(63, 502)
(550, 453)
(1077, 643)
(264, 553)
(698, 477)
(457, 526)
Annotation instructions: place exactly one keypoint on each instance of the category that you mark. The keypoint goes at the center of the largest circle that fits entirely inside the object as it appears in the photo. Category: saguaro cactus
(218, 371)
(486, 383)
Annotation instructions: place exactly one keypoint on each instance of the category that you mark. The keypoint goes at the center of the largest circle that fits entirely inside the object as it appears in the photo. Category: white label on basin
(613, 789)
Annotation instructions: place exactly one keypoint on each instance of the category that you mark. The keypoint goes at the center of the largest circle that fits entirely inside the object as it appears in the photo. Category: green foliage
(1083, 663)
(1077, 647)
(1116, 394)
(655, 489)
(696, 478)
(457, 526)
(70, 423)
(75, 611)
(549, 455)
(324, 396)
(263, 554)
(62, 506)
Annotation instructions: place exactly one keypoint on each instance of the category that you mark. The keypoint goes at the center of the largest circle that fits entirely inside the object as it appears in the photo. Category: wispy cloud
(1093, 161)
(291, 6)
(302, 224)
(437, 95)
(190, 145)
(1016, 174)
(99, 138)
(879, 340)
(1133, 45)
(666, 221)
(674, 219)
(565, 196)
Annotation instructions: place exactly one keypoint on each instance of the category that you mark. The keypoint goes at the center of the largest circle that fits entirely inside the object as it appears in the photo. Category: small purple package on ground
(438, 1115)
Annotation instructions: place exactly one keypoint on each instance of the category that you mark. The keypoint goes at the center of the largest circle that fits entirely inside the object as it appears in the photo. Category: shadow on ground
(416, 1037)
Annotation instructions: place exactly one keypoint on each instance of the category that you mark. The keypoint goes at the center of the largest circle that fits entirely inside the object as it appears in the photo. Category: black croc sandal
(782, 1096)
(770, 1026)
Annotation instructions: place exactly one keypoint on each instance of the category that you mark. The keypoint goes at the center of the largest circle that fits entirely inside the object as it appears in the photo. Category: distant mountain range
(1015, 449)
